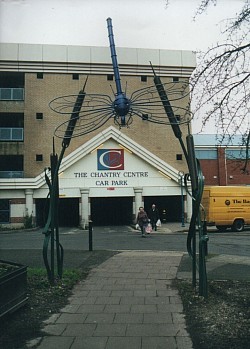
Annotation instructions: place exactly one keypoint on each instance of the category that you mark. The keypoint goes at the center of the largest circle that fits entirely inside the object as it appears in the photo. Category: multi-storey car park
(149, 159)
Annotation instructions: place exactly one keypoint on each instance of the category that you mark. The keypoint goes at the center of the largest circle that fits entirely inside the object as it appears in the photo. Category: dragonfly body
(122, 103)
(98, 109)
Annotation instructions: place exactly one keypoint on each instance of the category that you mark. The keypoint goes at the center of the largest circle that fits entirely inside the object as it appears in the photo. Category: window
(206, 154)
(39, 157)
(11, 80)
(11, 166)
(11, 119)
(178, 156)
(11, 86)
(39, 116)
(11, 126)
(75, 76)
(11, 134)
(4, 211)
(6, 94)
(39, 75)
(175, 79)
(233, 154)
(144, 78)
(110, 77)
(11, 94)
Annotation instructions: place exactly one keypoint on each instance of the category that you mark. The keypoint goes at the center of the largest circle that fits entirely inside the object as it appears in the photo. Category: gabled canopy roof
(110, 133)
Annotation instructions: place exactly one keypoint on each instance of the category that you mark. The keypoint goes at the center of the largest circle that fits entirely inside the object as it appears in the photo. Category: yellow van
(227, 206)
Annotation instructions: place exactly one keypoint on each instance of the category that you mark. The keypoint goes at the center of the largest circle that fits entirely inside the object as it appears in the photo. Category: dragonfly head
(121, 107)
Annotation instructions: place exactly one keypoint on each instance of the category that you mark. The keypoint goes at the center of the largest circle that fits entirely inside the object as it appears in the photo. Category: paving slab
(126, 302)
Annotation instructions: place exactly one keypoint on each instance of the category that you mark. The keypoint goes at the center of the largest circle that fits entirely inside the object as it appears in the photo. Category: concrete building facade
(149, 159)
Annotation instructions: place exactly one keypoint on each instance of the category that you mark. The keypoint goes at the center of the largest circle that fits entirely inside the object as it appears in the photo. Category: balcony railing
(12, 94)
(11, 134)
(11, 174)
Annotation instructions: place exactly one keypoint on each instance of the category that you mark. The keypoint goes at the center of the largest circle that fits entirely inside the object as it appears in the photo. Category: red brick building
(222, 161)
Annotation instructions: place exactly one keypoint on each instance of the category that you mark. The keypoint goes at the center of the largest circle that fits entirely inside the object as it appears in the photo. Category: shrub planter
(13, 286)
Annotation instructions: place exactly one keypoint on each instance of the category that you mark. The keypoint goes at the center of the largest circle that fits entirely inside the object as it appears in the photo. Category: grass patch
(44, 300)
(221, 321)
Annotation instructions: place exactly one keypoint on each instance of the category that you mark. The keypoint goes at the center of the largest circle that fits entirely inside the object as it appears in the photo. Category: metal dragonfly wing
(144, 103)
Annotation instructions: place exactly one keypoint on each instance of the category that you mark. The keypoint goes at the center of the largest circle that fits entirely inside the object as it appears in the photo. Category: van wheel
(221, 227)
(238, 225)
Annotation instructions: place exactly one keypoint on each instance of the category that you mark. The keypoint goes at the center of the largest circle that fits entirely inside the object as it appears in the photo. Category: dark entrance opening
(42, 209)
(112, 210)
(68, 212)
(171, 204)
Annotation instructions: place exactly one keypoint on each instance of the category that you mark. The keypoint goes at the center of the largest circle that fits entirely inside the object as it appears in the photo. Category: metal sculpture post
(197, 183)
(181, 182)
(51, 229)
(157, 101)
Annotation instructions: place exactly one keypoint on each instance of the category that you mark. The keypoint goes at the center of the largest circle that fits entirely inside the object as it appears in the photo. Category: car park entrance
(68, 212)
(170, 207)
(112, 210)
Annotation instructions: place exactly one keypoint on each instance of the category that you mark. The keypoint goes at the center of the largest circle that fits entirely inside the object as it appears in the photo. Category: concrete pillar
(84, 207)
(29, 201)
(138, 199)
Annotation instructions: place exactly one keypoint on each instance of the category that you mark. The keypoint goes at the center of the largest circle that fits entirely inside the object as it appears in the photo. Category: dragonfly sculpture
(97, 109)
(161, 103)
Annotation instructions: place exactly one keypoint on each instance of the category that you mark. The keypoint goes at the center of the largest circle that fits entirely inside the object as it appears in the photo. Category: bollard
(90, 236)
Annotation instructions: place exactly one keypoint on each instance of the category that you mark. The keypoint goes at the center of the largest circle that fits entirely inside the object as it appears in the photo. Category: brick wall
(38, 134)
(224, 172)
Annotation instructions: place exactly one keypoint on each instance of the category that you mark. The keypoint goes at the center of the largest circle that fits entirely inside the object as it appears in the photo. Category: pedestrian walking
(153, 215)
(142, 220)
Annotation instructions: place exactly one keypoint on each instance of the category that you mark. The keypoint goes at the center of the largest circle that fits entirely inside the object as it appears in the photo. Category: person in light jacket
(142, 220)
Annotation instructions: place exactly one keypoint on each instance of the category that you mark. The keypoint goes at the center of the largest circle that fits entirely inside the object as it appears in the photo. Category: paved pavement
(128, 301)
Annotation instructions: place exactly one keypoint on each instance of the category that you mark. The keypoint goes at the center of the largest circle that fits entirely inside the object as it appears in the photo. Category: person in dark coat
(142, 220)
(153, 215)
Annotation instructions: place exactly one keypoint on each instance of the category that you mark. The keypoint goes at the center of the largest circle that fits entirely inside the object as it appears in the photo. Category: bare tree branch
(203, 6)
(221, 81)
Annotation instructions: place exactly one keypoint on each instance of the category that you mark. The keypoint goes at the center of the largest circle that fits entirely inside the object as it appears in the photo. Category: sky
(136, 23)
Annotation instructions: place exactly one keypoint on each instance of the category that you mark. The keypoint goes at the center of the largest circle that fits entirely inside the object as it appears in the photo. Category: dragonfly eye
(121, 105)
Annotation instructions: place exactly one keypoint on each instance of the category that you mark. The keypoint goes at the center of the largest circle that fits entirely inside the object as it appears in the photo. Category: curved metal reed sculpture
(91, 111)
